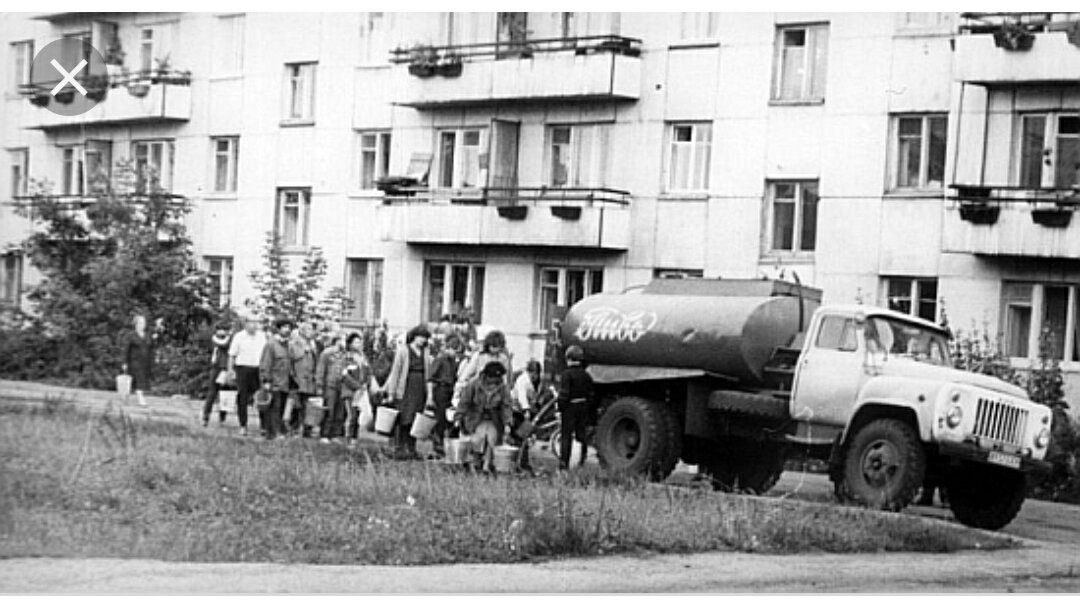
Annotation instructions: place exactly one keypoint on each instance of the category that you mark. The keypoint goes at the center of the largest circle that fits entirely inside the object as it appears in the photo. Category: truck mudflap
(1038, 468)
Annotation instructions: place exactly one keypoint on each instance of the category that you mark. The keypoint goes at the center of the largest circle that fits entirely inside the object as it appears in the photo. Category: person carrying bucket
(443, 376)
(409, 387)
(485, 412)
(329, 374)
(274, 371)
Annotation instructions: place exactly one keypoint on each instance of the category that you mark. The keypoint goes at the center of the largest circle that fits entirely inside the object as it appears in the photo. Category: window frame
(370, 308)
(770, 249)
(896, 156)
(816, 42)
(1048, 174)
(698, 183)
(586, 150)
(1035, 304)
(383, 144)
(233, 46)
(303, 72)
(224, 277)
(691, 28)
(232, 157)
(20, 74)
(146, 49)
(165, 173)
(593, 283)
(476, 301)
(303, 217)
(11, 280)
(915, 294)
(72, 170)
(456, 181)
(18, 186)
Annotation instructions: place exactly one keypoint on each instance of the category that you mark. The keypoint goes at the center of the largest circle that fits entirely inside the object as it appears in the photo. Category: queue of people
(467, 387)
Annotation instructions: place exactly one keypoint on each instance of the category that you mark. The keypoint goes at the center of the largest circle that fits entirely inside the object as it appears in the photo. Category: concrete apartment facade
(553, 155)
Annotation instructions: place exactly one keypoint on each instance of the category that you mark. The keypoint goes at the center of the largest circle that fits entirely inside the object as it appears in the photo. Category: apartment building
(507, 164)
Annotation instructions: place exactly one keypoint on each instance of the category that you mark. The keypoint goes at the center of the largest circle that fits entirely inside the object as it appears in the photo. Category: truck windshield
(907, 339)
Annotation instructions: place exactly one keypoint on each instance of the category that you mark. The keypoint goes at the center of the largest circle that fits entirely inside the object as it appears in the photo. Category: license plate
(1003, 459)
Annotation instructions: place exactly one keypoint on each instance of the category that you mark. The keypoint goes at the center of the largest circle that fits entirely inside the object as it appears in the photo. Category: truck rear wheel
(884, 465)
(633, 436)
(984, 496)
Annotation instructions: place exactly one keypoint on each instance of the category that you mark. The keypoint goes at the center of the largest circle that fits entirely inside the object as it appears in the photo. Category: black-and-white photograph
(467, 302)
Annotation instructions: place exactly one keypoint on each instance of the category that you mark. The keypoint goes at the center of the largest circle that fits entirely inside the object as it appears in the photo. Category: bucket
(506, 458)
(422, 426)
(227, 401)
(385, 419)
(313, 414)
(123, 384)
(262, 400)
(458, 450)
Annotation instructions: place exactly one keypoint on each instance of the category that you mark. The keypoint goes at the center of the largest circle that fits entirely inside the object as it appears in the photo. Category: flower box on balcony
(513, 212)
(422, 70)
(1057, 218)
(979, 213)
(1012, 36)
(566, 212)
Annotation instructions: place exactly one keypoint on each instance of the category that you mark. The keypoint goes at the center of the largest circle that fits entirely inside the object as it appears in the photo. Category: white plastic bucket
(422, 426)
(123, 384)
(385, 418)
(227, 401)
(458, 450)
(506, 458)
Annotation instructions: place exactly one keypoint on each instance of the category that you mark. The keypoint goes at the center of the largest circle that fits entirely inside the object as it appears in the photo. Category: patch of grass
(100, 485)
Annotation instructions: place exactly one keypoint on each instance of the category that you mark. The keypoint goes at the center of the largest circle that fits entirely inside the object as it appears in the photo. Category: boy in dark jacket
(575, 405)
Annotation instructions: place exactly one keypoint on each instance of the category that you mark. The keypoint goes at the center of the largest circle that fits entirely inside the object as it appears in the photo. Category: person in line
(219, 365)
(274, 369)
(245, 356)
(443, 376)
(303, 357)
(575, 405)
(485, 412)
(410, 387)
(139, 357)
(492, 349)
(329, 373)
(355, 380)
(526, 391)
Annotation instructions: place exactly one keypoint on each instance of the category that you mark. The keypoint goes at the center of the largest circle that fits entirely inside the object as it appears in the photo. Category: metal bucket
(262, 400)
(313, 414)
(505, 459)
(385, 420)
(422, 426)
(123, 384)
(227, 401)
(458, 450)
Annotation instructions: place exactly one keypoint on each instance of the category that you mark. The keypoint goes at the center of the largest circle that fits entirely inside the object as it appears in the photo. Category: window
(98, 166)
(299, 91)
(22, 55)
(793, 215)
(375, 37)
(577, 155)
(364, 280)
(71, 180)
(153, 165)
(695, 26)
(512, 33)
(454, 290)
(1027, 308)
(912, 296)
(459, 158)
(688, 157)
(374, 158)
(1049, 150)
(293, 216)
(678, 273)
(19, 160)
(919, 151)
(799, 70)
(837, 333)
(220, 269)
(925, 22)
(563, 287)
(10, 278)
(146, 49)
(229, 45)
(226, 155)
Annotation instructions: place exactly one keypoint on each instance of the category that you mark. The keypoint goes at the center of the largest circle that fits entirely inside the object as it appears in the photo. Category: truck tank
(730, 328)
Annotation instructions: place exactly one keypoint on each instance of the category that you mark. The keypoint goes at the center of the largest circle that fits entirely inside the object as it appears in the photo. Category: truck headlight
(1042, 439)
(954, 416)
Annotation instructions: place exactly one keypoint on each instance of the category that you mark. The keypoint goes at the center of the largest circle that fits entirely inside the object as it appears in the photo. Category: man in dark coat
(274, 373)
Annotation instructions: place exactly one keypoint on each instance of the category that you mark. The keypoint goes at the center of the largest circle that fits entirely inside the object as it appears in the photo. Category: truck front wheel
(984, 496)
(884, 465)
(632, 437)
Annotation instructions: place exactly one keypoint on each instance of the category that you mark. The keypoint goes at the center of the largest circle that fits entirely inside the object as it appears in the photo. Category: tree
(280, 293)
(122, 250)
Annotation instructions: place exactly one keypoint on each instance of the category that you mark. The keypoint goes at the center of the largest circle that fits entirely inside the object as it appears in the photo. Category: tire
(633, 437)
(985, 497)
(884, 465)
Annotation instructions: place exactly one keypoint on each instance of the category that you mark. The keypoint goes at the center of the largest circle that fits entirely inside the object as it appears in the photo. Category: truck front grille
(1001, 422)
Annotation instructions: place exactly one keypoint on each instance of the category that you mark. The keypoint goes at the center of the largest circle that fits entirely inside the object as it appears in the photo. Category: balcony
(1018, 48)
(133, 98)
(594, 68)
(593, 218)
(1012, 221)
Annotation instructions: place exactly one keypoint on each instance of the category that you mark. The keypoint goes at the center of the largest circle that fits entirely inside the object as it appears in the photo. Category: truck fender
(868, 409)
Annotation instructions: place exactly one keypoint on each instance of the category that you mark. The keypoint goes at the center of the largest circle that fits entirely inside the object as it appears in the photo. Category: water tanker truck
(739, 376)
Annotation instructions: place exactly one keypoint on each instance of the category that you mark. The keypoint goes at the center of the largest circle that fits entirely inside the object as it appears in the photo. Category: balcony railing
(127, 97)
(982, 204)
(510, 196)
(457, 53)
(988, 23)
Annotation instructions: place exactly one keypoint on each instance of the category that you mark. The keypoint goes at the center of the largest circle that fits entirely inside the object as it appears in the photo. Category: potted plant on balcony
(97, 86)
(1013, 36)
(979, 212)
(40, 97)
(423, 61)
(1057, 217)
(566, 212)
(450, 66)
(513, 212)
(138, 86)
(65, 96)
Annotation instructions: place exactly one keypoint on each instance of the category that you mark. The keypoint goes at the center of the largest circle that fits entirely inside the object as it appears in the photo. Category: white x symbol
(69, 77)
